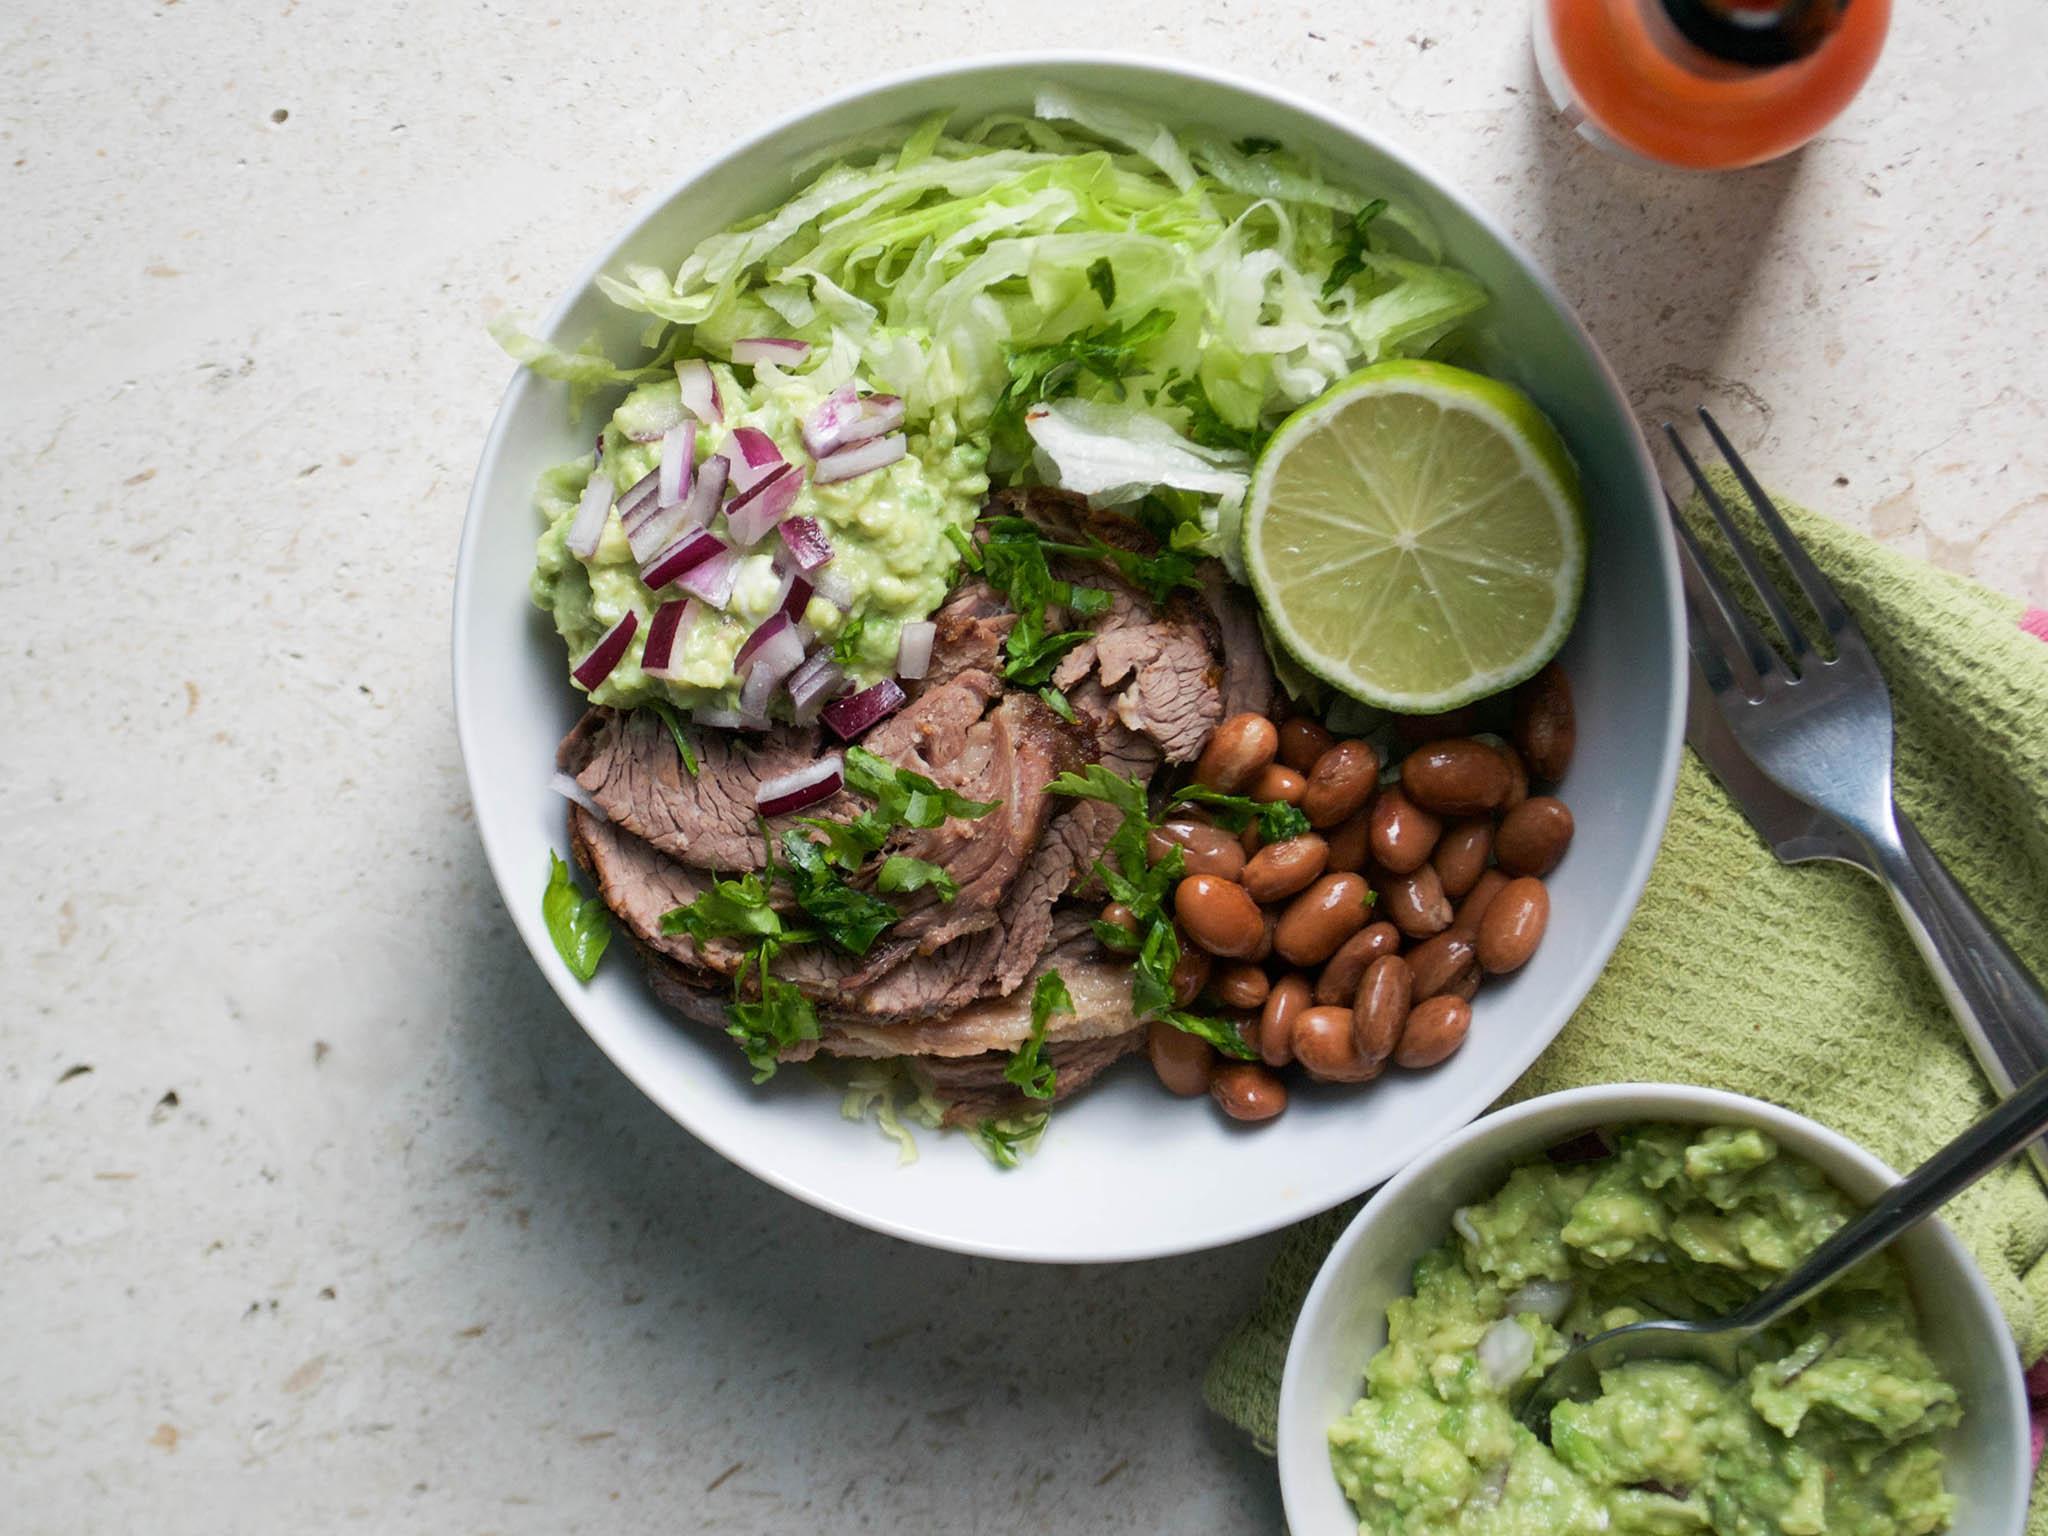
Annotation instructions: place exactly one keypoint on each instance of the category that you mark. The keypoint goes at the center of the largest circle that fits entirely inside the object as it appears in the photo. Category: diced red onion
(770, 349)
(597, 666)
(813, 683)
(591, 513)
(878, 414)
(665, 631)
(565, 786)
(705, 493)
(805, 787)
(775, 659)
(796, 596)
(914, 648)
(860, 459)
(750, 515)
(678, 450)
(805, 543)
(713, 579)
(824, 428)
(658, 425)
(848, 717)
(686, 554)
(834, 588)
(641, 500)
(649, 537)
(717, 717)
(700, 391)
(765, 631)
(753, 457)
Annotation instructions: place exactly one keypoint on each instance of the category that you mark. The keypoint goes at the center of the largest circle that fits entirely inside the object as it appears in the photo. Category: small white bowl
(1125, 1172)
(1343, 1321)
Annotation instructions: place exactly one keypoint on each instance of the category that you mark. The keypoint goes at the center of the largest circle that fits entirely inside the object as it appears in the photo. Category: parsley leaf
(673, 719)
(1351, 260)
(1278, 821)
(1221, 1033)
(780, 1018)
(1102, 278)
(579, 924)
(852, 919)
(1155, 575)
(1036, 1077)
(1206, 424)
(1013, 561)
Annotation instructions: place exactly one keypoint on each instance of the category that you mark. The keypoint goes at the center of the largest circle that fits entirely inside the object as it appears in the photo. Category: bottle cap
(1758, 34)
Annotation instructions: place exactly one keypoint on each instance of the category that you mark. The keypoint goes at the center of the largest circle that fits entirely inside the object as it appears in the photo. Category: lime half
(1416, 536)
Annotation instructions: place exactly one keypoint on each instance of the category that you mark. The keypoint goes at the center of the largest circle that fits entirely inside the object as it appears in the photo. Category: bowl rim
(1594, 1105)
(1633, 877)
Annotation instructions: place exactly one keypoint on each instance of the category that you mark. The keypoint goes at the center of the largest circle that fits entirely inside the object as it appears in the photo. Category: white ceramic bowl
(1343, 1322)
(1125, 1172)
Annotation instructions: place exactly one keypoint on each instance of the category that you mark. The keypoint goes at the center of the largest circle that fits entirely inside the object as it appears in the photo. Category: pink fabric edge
(2035, 622)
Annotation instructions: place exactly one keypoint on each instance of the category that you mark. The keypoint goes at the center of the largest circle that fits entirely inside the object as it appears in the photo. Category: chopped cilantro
(780, 1018)
(1351, 260)
(1057, 702)
(852, 919)
(579, 924)
(1206, 424)
(1278, 821)
(900, 872)
(1102, 278)
(1046, 372)
(730, 909)
(673, 719)
(1036, 1077)
(846, 645)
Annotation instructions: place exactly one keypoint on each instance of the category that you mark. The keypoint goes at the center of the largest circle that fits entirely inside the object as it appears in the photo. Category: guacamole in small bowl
(1831, 1428)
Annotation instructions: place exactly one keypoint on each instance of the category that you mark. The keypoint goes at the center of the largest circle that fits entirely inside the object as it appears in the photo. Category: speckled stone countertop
(316, 1211)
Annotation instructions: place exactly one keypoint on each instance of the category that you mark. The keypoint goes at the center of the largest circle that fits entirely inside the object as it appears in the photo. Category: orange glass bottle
(1706, 84)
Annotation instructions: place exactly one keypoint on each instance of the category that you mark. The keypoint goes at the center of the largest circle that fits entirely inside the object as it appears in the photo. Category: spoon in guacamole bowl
(1718, 1342)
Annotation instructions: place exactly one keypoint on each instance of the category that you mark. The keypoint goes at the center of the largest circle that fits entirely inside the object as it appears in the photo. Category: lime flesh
(1416, 536)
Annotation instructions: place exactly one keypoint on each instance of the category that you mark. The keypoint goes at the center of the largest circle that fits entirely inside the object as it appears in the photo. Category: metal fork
(1818, 728)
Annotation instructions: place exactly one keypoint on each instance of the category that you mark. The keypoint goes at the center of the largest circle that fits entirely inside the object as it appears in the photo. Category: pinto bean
(1461, 855)
(1342, 780)
(1247, 1091)
(1323, 1045)
(1220, 916)
(1289, 998)
(1302, 741)
(1514, 925)
(1402, 834)
(1241, 986)
(1351, 843)
(1385, 995)
(1346, 968)
(1276, 781)
(1190, 975)
(1534, 836)
(1546, 729)
(1321, 918)
(1208, 850)
(1455, 777)
(1435, 1028)
(1436, 963)
(1237, 749)
(1472, 910)
(1279, 870)
(1415, 903)
(1183, 1062)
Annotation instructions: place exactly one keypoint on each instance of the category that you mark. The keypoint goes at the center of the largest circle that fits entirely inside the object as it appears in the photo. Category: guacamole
(1832, 1426)
(892, 560)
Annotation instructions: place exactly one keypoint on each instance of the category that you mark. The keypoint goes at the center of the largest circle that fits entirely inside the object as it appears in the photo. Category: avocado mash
(1832, 1427)
(891, 559)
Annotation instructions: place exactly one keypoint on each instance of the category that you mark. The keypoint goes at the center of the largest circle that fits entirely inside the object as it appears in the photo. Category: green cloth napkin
(1797, 984)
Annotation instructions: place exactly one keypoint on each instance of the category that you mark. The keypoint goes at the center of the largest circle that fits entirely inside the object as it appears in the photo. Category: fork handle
(1997, 1000)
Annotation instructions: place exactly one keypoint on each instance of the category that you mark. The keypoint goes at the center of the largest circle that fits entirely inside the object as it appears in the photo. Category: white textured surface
(406, 1254)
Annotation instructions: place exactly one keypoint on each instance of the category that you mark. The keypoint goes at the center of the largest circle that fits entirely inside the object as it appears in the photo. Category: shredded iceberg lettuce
(926, 262)
(878, 1086)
